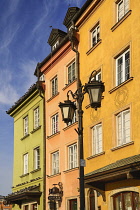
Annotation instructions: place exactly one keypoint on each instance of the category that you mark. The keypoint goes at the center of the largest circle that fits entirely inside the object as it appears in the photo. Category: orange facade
(61, 140)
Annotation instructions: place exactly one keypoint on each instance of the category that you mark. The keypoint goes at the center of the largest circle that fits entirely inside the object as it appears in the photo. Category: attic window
(55, 45)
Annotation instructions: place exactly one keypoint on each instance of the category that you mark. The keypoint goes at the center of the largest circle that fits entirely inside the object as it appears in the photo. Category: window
(123, 127)
(123, 67)
(71, 72)
(55, 45)
(34, 206)
(36, 118)
(95, 35)
(25, 120)
(122, 8)
(72, 204)
(97, 76)
(72, 153)
(37, 158)
(126, 201)
(54, 86)
(54, 121)
(25, 163)
(55, 162)
(97, 139)
(26, 207)
(92, 200)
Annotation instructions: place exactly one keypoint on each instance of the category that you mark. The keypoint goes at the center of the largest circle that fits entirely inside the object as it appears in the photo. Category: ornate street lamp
(95, 89)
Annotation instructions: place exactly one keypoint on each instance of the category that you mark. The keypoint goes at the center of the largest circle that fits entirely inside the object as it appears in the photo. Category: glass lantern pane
(94, 95)
(65, 112)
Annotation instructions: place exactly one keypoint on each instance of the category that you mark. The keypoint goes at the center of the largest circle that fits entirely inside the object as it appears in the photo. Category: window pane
(118, 203)
(127, 201)
(97, 139)
(127, 60)
(73, 204)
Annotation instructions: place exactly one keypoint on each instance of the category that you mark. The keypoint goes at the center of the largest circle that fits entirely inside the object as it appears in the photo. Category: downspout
(40, 89)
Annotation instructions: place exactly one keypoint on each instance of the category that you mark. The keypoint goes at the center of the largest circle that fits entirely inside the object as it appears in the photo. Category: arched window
(92, 200)
(127, 200)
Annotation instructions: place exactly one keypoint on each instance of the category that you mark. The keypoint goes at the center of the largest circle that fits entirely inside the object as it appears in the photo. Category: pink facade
(61, 140)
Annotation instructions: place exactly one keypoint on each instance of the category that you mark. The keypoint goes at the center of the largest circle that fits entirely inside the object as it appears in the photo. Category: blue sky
(24, 31)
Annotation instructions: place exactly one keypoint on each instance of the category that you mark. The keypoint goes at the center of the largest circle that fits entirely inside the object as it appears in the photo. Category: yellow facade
(32, 180)
(116, 37)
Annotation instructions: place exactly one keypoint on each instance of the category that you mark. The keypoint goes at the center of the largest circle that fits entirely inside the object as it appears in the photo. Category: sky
(24, 32)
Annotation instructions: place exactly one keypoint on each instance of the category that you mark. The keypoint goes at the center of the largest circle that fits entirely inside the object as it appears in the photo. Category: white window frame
(123, 127)
(55, 45)
(26, 125)
(122, 67)
(72, 156)
(54, 124)
(97, 141)
(36, 158)
(122, 8)
(25, 163)
(71, 72)
(55, 162)
(95, 35)
(36, 118)
(54, 86)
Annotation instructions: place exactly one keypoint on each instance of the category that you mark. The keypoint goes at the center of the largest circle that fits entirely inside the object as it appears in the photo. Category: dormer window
(55, 45)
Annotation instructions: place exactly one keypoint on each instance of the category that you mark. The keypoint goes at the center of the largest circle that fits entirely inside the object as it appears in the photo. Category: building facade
(109, 43)
(59, 69)
(28, 191)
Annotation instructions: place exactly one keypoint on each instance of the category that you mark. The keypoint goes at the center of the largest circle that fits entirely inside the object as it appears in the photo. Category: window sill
(123, 83)
(121, 20)
(69, 126)
(52, 97)
(23, 175)
(70, 170)
(67, 85)
(35, 129)
(91, 49)
(96, 155)
(55, 134)
(123, 145)
(24, 137)
(38, 169)
(53, 175)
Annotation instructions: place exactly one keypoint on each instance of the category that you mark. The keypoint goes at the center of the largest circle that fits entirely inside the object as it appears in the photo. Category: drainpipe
(44, 138)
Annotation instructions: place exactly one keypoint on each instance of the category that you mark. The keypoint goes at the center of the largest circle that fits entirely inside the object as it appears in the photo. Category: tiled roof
(26, 95)
(117, 164)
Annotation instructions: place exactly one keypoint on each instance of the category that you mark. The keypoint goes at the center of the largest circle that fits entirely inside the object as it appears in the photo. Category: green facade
(28, 182)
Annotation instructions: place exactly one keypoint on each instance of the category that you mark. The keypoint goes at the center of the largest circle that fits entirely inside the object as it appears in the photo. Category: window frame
(71, 74)
(54, 124)
(55, 162)
(122, 198)
(97, 35)
(54, 86)
(97, 144)
(122, 74)
(36, 117)
(72, 156)
(36, 158)
(121, 139)
(124, 11)
(26, 125)
(25, 163)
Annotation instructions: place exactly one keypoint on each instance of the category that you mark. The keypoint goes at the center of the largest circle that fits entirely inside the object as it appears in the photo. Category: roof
(120, 163)
(23, 98)
(55, 34)
(69, 15)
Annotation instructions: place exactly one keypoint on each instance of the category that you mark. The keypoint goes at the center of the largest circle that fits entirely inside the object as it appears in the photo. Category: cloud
(27, 68)
(7, 93)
